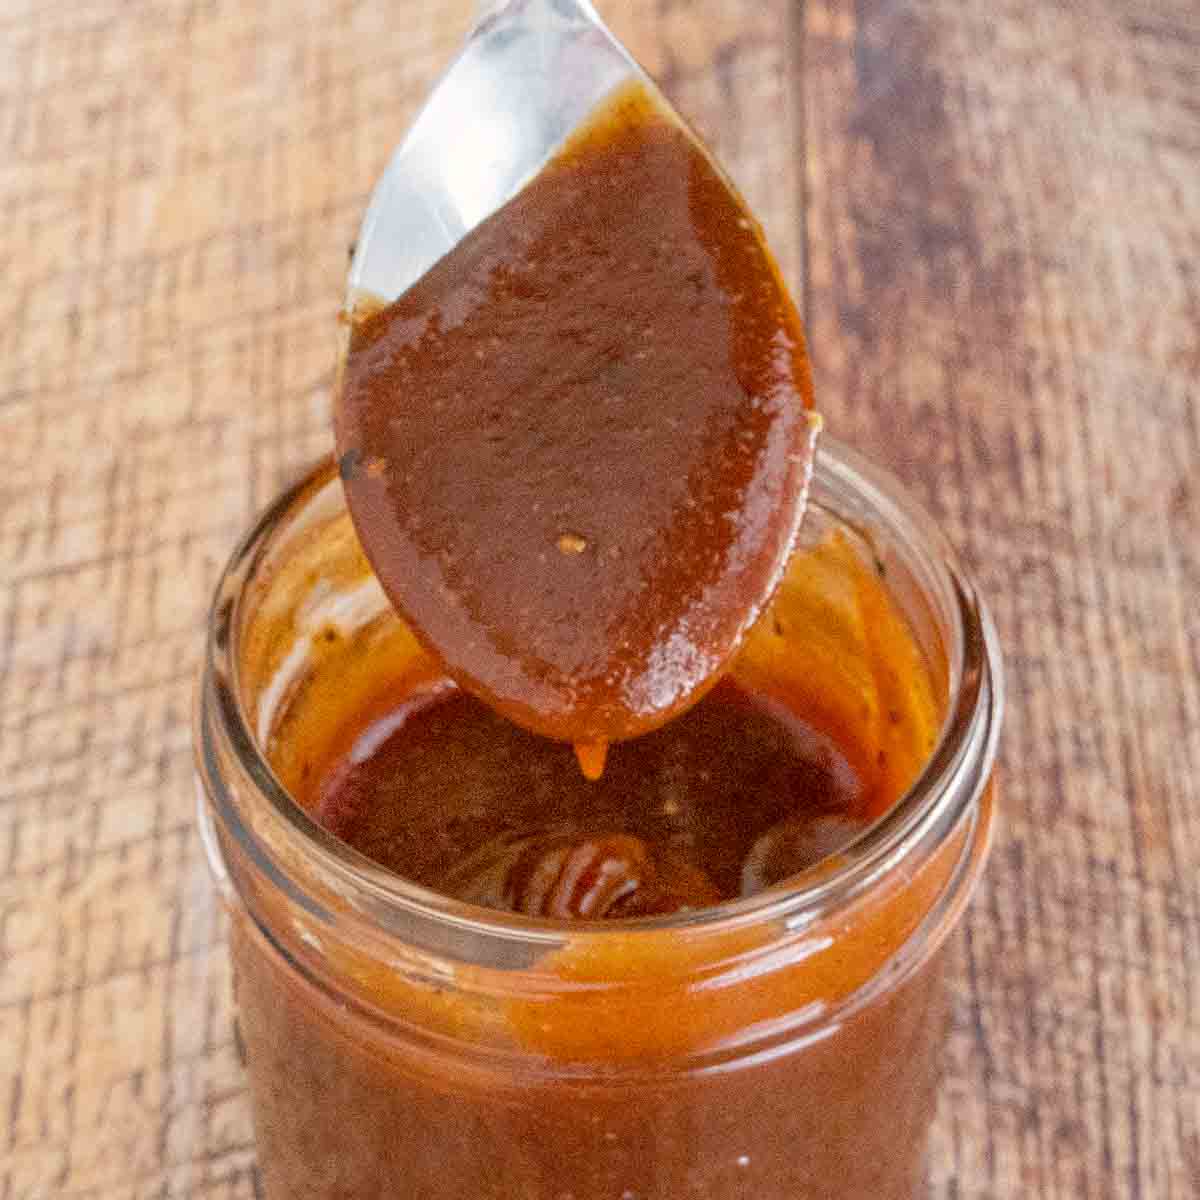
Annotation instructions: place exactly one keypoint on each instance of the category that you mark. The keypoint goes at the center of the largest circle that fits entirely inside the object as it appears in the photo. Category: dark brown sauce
(576, 450)
(733, 796)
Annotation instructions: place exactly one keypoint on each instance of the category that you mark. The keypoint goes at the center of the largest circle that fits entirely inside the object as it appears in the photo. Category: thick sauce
(733, 796)
(576, 451)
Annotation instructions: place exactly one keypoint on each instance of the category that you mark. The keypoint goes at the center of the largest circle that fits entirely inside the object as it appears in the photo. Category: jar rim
(948, 786)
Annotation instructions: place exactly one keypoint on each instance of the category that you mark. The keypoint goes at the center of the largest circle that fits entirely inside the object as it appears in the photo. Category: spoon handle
(530, 12)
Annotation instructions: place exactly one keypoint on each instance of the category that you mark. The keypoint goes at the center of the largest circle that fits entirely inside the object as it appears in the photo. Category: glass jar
(400, 1043)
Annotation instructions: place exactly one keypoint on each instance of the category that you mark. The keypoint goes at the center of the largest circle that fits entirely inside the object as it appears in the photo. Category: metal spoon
(528, 74)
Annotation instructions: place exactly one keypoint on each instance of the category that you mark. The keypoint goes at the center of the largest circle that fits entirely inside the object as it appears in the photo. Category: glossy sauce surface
(576, 451)
(733, 796)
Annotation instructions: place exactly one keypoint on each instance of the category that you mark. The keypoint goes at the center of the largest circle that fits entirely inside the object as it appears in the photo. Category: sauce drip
(592, 757)
(576, 451)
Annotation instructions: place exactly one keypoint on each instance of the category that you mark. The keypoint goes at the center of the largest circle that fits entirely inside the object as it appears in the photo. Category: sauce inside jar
(733, 796)
(821, 723)
(667, 1062)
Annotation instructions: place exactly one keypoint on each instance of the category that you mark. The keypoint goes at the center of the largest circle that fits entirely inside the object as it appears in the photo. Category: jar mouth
(948, 787)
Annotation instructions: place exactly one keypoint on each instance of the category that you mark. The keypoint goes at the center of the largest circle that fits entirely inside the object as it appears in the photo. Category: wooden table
(991, 211)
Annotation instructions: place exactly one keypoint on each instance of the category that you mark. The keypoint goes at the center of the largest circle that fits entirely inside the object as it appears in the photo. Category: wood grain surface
(991, 211)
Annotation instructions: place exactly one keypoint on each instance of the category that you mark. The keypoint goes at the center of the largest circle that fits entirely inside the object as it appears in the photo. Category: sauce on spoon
(577, 450)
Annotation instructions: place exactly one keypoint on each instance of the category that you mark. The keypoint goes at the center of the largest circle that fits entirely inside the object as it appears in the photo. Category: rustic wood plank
(1003, 230)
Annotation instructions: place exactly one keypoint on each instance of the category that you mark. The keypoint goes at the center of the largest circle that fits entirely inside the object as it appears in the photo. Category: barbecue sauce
(576, 451)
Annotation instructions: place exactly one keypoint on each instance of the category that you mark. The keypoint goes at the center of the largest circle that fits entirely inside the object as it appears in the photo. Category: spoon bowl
(573, 406)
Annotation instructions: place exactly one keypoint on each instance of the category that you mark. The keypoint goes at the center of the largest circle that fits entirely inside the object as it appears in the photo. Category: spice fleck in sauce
(576, 451)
